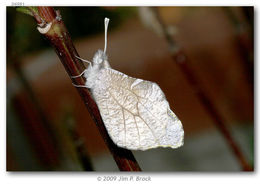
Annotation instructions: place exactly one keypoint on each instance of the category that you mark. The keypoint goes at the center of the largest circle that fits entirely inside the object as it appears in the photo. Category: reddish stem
(47, 13)
(59, 38)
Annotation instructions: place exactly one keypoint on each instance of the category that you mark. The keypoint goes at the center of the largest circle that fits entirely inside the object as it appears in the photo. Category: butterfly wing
(136, 113)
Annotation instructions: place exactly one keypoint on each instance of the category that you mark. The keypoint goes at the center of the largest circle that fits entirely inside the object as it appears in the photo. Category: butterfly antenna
(106, 25)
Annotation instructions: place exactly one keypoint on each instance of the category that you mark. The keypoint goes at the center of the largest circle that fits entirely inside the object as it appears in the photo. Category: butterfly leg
(79, 74)
(86, 61)
(84, 70)
(79, 86)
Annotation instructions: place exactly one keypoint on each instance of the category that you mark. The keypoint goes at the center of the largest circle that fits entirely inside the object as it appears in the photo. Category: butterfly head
(99, 57)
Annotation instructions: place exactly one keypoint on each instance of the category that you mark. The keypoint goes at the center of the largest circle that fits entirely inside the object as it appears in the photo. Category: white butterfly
(135, 112)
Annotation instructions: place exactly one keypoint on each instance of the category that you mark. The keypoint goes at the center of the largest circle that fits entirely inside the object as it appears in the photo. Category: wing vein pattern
(122, 108)
(136, 112)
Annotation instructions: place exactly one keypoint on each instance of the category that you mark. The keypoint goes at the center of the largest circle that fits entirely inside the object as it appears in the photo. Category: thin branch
(179, 57)
(56, 33)
(243, 41)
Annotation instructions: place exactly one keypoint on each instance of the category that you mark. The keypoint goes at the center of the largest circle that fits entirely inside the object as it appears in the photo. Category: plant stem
(179, 57)
(243, 41)
(59, 38)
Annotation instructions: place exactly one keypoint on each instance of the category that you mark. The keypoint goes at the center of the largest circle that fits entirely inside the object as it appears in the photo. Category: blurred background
(49, 128)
